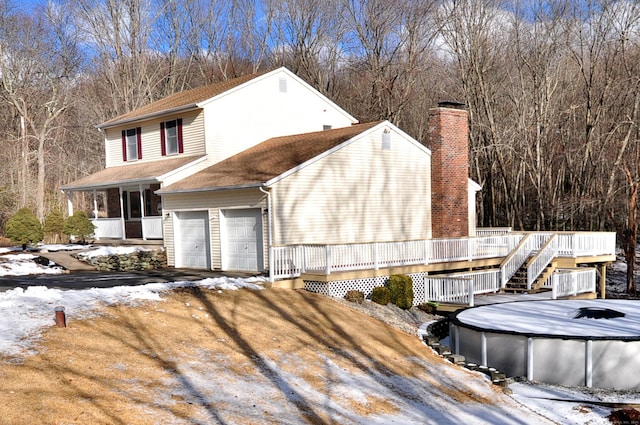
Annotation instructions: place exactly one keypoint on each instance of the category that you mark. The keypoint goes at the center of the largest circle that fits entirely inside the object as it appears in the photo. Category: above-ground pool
(593, 343)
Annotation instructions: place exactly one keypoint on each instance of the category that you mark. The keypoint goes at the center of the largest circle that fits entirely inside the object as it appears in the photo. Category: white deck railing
(542, 259)
(448, 289)
(454, 290)
(581, 244)
(152, 227)
(571, 282)
(111, 228)
(493, 231)
(108, 228)
(516, 259)
(291, 261)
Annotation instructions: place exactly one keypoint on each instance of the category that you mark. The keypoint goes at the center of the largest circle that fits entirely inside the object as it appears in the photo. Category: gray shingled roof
(266, 160)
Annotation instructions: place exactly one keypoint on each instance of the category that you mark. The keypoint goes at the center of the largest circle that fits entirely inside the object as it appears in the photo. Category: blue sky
(26, 5)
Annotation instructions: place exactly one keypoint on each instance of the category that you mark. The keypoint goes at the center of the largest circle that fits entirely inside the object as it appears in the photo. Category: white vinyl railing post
(426, 252)
(376, 256)
(327, 251)
(271, 264)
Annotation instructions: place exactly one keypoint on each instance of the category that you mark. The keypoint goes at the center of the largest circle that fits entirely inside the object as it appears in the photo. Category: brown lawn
(206, 356)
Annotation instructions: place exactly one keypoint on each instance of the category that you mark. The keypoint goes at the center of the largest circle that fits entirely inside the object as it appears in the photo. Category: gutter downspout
(269, 233)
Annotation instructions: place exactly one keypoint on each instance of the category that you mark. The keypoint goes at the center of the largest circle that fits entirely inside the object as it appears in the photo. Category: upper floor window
(132, 144)
(171, 137)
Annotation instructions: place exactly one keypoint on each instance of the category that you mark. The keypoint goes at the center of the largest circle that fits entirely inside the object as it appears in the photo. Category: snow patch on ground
(25, 264)
(26, 312)
(112, 250)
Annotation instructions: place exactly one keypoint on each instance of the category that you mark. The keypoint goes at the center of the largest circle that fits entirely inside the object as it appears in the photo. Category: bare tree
(388, 46)
(38, 65)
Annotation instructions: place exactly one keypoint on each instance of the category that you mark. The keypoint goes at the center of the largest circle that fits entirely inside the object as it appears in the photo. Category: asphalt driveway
(96, 279)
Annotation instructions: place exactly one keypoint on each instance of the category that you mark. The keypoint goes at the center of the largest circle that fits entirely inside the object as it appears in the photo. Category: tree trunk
(631, 233)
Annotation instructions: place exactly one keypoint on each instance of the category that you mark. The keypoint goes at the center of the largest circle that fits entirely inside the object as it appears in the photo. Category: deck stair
(518, 283)
(530, 265)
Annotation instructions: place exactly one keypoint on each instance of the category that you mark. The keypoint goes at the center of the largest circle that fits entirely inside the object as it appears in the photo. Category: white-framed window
(171, 137)
(132, 205)
(132, 144)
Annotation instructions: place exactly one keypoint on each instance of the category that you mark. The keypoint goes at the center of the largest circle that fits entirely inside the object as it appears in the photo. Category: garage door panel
(192, 239)
(244, 239)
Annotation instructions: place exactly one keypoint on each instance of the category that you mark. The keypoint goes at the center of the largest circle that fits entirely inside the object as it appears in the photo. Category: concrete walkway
(64, 259)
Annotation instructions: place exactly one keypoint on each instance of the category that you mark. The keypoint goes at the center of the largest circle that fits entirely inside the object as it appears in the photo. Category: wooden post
(61, 320)
(603, 281)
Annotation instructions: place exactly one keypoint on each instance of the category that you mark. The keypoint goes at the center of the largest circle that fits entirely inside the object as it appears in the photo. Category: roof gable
(180, 101)
(200, 96)
(267, 160)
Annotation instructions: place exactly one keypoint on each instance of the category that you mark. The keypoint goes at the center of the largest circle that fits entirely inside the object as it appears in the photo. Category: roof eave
(99, 186)
(152, 115)
(209, 189)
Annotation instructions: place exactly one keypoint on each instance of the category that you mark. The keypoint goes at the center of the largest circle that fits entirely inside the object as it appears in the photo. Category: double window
(171, 137)
(170, 140)
(132, 144)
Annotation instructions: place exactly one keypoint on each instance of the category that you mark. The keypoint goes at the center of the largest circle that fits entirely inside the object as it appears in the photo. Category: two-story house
(265, 174)
(177, 136)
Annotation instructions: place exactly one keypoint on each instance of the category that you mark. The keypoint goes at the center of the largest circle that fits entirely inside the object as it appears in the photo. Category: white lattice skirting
(365, 285)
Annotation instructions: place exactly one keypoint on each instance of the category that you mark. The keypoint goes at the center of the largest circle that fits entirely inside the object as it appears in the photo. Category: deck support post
(530, 359)
(588, 366)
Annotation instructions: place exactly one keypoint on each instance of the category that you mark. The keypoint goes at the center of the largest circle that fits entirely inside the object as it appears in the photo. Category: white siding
(192, 132)
(259, 111)
(360, 193)
(213, 202)
(473, 188)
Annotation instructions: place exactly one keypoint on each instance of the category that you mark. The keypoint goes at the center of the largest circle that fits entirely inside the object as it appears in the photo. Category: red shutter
(180, 144)
(124, 145)
(163, 146)
(139, 134)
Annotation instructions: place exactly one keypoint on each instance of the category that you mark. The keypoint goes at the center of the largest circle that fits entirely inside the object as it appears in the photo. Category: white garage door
(192, 239)
(243, 239)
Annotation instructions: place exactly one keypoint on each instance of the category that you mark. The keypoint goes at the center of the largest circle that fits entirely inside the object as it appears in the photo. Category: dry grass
(136, 365)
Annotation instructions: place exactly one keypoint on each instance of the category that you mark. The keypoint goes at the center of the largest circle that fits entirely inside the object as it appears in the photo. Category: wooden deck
(488, 299)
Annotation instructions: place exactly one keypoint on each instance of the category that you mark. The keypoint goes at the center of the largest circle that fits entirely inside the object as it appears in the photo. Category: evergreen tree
(24, 228)
(54, 225)
(79, 225)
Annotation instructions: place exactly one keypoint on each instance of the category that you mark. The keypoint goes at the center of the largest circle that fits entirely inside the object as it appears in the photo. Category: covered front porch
(121, 201)
(125, 212)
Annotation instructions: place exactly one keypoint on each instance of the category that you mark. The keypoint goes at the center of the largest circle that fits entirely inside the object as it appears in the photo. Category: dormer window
(171, 137)
(132, 144)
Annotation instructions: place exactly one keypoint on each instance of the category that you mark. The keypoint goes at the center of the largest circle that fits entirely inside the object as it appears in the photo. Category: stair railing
(542, 259)
(516, 259)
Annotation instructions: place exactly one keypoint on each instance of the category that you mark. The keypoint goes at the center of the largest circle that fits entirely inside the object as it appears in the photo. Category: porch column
(70, 203)
(122, 224)
(142, 207)
(95, 205)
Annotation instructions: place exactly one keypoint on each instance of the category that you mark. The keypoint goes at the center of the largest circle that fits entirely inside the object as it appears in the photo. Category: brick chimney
(449, 143)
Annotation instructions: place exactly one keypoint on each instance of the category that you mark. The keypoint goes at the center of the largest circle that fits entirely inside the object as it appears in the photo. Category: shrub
(54, 225)
(79, 225)
(430, 307)
(401, 290)
(355, 297)
(381, 295)
(24, 228)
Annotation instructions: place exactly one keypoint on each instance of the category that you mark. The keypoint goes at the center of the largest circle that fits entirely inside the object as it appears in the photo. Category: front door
(192, 239)
(243, 240)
